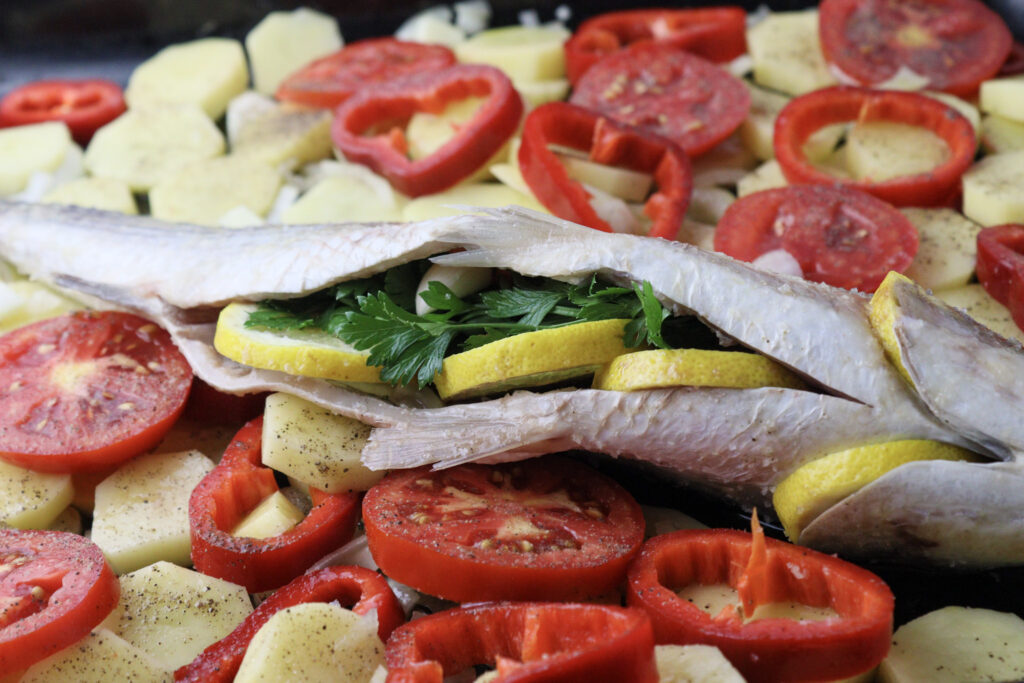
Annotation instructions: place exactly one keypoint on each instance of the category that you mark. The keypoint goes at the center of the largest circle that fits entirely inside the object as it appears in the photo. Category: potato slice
(272, 517)
(23, 302)
(787, 53)
(146, 145)
(207, 72)
(69, 520)
(948, 248)
(202, 192)
(758, 130)
(107, 194)
(100, 657)
(767, 176)
(1003, 97)
(24, 150)
(337, 199)
(471, 194)
(525, 53)
(882, 150)
(994, 189)
(141, 511)
(536, 93)
(315, 446)
(980, 305)
(999, 134)
(32, 500)
(172, 613)
(284, 136)
(693, 664)
(283, 42)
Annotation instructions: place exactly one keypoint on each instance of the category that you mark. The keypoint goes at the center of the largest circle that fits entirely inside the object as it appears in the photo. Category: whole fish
(739, 442)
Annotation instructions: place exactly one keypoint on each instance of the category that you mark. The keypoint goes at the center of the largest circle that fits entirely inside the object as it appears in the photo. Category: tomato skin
(80, 591)
(1000, 266)
(528, 643)
(839, 236)
(715, 33)
(210, 406)
(456, 547)
(957, 44)
(84, 105)
(230, 491)
(608, 143)
(668, 92)
(330, 80)
(766, 650)
(469, 149)
(95, 389)
(361, 589)
(806, 114)
(1014, 63)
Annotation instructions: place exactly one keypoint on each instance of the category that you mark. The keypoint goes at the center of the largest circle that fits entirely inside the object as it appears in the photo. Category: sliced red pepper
(527, 643)
(807, 114)
(1000, 267)
(764, 571)
(367, 127)
(233, 489)
(362, 590)
(83, 105)
(606, 142)
(715, 33)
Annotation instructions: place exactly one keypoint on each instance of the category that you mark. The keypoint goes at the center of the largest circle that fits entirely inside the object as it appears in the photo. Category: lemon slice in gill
(693, 367)
(311, 353)
(813, 488)
(531, 359)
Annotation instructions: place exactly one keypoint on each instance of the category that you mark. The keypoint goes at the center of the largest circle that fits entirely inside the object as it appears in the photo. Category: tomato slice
(1000, 267)
(838, 235)
(84, 105)
(88, 390)
(361, 590)
(715, 33)
(54, 588)
(606, 142)
(806, 114)
(666, 91)
(210, 406)
(382, 111)
(765, 571)
(330, 80)
(956, 44)
(527, 643)
(1014, 63)
(545, 529)
(234, 488)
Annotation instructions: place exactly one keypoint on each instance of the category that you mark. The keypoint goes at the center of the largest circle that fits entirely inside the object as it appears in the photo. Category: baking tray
(107, 38)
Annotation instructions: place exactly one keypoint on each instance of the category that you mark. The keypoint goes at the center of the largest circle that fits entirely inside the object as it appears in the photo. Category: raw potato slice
(284, 136)
(32, 500)
(146, 145)
(536, 93)
(980, 305)
(206, 72)
(787, 53)
(100, 657)
(999, 134)
(882, 150)
(172, 613)
(204, 191)
(956, 644)
(69, 520)
(141, 512)
(969, 111)
(23, 302)
(723, 165)
(339, 199)
(1004, 97)
(447, 203)
(694, 664)
(24, 150)
(994, 189)
(285, 41)
(947, 249)
(315, 446)
(427, 132)
(313, 642)
(633, 186)
(758, 130)
(767, 176)
(107, 194)
(272, 517)
(708, 204)
(661, 368)
(525, 53)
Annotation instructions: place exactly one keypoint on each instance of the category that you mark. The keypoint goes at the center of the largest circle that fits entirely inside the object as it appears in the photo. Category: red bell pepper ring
(764, 571)
(364, 590)
(84, 105)
(606, 142)
(1000, 267)
(233, 489)
(384, 110)
(528, 642)
(715, 33)
(806, 114)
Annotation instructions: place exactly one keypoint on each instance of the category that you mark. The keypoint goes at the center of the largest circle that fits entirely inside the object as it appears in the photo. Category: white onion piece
(314, 173)
(779, 261)
(613, 211)
(472, 16)
(354, 553)
(286, 196)
(741, 66)
(242, 109)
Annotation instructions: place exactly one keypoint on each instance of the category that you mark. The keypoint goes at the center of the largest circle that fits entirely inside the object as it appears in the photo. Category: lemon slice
(884, 307)
(531, 359)
(311, 353)
(693, 367)
(821, 483)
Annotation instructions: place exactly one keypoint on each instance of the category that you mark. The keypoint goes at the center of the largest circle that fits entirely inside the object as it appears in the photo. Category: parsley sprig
(377, 314)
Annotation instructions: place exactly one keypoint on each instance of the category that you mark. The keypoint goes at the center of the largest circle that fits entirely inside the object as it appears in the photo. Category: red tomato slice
(838, 235)
(956, 44)
(232, 490)
(545, 529)
(330, 80)
(527, 643)
(1014, 63)
(765, 571)
(666, 91)
(715, 33)
(54, 588)
(1000, 267)
(806, 114)
(84, 105)
(88, 390)
(359, 589)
